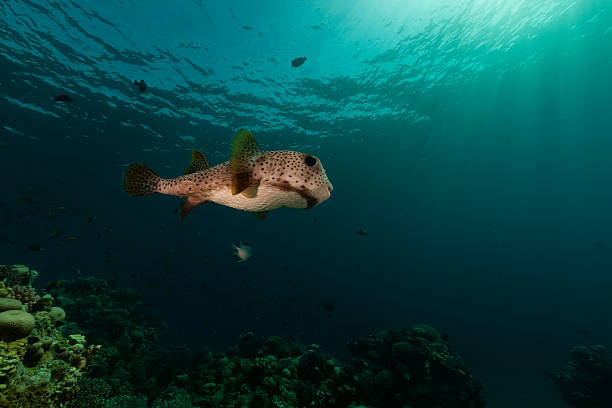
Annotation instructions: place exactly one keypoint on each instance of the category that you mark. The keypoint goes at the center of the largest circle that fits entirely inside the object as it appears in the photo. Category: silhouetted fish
(63, 98)
(600, 244)
(142, 85)
(298, 62)
(329, 306)
(362, 232)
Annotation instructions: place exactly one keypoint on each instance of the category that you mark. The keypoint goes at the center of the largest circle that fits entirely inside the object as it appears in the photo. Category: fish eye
(310, 161)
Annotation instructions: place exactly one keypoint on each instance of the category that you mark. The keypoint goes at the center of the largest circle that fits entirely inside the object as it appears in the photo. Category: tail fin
(140, 180)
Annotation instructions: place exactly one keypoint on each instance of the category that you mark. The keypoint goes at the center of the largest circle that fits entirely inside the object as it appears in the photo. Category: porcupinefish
(298, 62)
(252, 180)
(243, 251)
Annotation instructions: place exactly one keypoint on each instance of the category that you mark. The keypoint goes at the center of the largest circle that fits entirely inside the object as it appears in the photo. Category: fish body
(142, 85)
(243, 251)
(298, 62)
(63, 98)
(252, 180)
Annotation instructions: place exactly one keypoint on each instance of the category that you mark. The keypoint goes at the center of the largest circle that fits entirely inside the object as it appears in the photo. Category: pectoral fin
(251, 190)
(243, 153)
(198, 162)
(261, 215)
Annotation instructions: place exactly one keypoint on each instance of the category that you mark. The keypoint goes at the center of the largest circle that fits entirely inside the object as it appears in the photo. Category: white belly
(268, 198)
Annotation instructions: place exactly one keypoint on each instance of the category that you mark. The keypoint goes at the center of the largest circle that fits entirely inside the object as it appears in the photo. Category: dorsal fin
(198, 162)
(243, 153)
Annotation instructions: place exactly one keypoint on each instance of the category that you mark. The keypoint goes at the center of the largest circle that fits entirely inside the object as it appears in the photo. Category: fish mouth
(330, 188)
(322, 193)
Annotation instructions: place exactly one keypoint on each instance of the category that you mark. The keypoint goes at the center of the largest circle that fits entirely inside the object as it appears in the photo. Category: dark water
(471, 139)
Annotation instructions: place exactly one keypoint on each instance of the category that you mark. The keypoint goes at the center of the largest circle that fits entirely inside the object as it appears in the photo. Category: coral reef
(143, 365)
(17, 275)
(412, 367)
(271, 372)
(15, 324)
(140, 355)
(38, 366)
(585, 381)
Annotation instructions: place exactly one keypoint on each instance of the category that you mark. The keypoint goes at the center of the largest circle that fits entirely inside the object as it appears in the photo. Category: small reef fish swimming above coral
(243, 251)
(252, 180)
(298, 62)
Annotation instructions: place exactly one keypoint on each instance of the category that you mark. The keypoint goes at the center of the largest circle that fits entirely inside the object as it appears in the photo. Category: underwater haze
(469, 144)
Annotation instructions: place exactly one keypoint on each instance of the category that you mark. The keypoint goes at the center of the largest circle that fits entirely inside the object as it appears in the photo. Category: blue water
(471, 139)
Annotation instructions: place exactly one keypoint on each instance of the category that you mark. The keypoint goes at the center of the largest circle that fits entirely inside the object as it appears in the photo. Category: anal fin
(187, 206)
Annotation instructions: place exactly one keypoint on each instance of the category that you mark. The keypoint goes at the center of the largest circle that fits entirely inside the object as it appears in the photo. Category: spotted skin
(275, 179)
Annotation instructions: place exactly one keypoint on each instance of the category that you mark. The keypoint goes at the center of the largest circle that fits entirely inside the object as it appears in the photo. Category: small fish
(362, 232)
(252, 180)
(600, 244)
(445, 337)
(329, 306)
(243, 251)
(70, 238)
(62, 98)
(142, 85)
(33, 246)
(298, 62)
